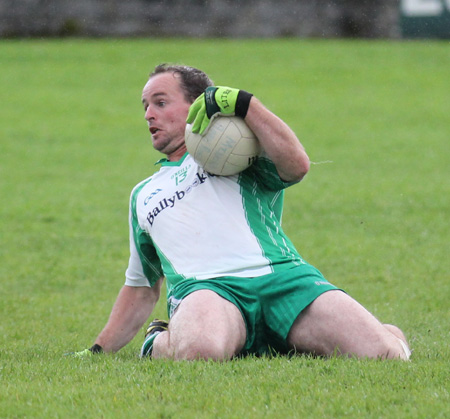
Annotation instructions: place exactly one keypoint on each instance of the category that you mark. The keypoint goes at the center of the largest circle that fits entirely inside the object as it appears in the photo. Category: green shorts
(269, 304)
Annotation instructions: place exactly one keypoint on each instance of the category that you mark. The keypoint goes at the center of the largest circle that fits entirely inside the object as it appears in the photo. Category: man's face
(166, 111)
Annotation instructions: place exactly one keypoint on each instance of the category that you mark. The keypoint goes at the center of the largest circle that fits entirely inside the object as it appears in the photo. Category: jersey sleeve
(144, 266)
(134, 275)
(265, 172)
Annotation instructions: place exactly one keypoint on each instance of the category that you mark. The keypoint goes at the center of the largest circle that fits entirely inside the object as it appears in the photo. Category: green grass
(372, 215)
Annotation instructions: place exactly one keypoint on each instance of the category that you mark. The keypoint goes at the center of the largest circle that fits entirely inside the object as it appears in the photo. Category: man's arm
(278, 141)
(132, 308)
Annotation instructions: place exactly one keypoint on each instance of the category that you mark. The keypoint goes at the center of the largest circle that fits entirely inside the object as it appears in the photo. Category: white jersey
(187, 223)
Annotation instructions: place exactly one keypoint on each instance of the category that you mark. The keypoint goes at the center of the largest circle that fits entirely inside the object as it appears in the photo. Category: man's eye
(161, 104)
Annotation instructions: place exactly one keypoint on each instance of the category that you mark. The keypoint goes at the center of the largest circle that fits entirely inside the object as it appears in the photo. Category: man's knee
(190, 347)
(205, 326)
(397, 347)
(202, 348)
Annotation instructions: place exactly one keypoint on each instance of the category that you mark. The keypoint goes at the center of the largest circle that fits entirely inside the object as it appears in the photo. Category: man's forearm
(131, 309)
(278, 141)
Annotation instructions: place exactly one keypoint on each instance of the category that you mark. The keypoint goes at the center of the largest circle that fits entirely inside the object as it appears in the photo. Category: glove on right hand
(217, 100)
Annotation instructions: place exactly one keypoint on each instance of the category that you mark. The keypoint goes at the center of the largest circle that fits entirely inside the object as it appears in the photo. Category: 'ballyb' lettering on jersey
(178, 196)
(193, 213)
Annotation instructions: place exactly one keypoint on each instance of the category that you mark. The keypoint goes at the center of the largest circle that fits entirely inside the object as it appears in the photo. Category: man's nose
(149, 114)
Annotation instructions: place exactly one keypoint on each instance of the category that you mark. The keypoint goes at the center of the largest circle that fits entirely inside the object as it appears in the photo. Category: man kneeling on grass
(235, 282)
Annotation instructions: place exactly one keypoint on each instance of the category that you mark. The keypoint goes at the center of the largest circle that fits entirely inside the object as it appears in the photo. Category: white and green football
(227, 147)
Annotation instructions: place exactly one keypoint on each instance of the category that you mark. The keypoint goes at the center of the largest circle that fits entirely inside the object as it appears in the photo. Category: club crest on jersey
(170, 202)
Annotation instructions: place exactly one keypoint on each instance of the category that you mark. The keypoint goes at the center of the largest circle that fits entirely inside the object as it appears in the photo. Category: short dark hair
(192, 80)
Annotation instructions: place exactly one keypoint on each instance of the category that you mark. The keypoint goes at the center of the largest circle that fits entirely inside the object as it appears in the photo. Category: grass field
(372, 215)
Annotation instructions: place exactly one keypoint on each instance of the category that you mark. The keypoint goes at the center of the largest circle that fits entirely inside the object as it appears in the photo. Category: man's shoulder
(141, 184)
(151, 185)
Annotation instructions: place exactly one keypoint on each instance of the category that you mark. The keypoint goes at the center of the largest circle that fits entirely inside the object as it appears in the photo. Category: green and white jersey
(187, 223)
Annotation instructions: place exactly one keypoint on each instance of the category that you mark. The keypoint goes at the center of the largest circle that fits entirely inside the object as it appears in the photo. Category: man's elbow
(298, 170)
(304, 167)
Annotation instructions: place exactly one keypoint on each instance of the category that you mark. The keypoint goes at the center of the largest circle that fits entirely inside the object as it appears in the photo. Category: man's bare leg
(336, 324)
(204, 326)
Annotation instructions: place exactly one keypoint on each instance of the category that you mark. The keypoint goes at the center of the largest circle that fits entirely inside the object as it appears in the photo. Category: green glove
(86, 353)
(217, 100)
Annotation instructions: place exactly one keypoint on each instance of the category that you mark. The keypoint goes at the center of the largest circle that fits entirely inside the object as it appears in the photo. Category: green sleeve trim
(151, 264)
(265, 172)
